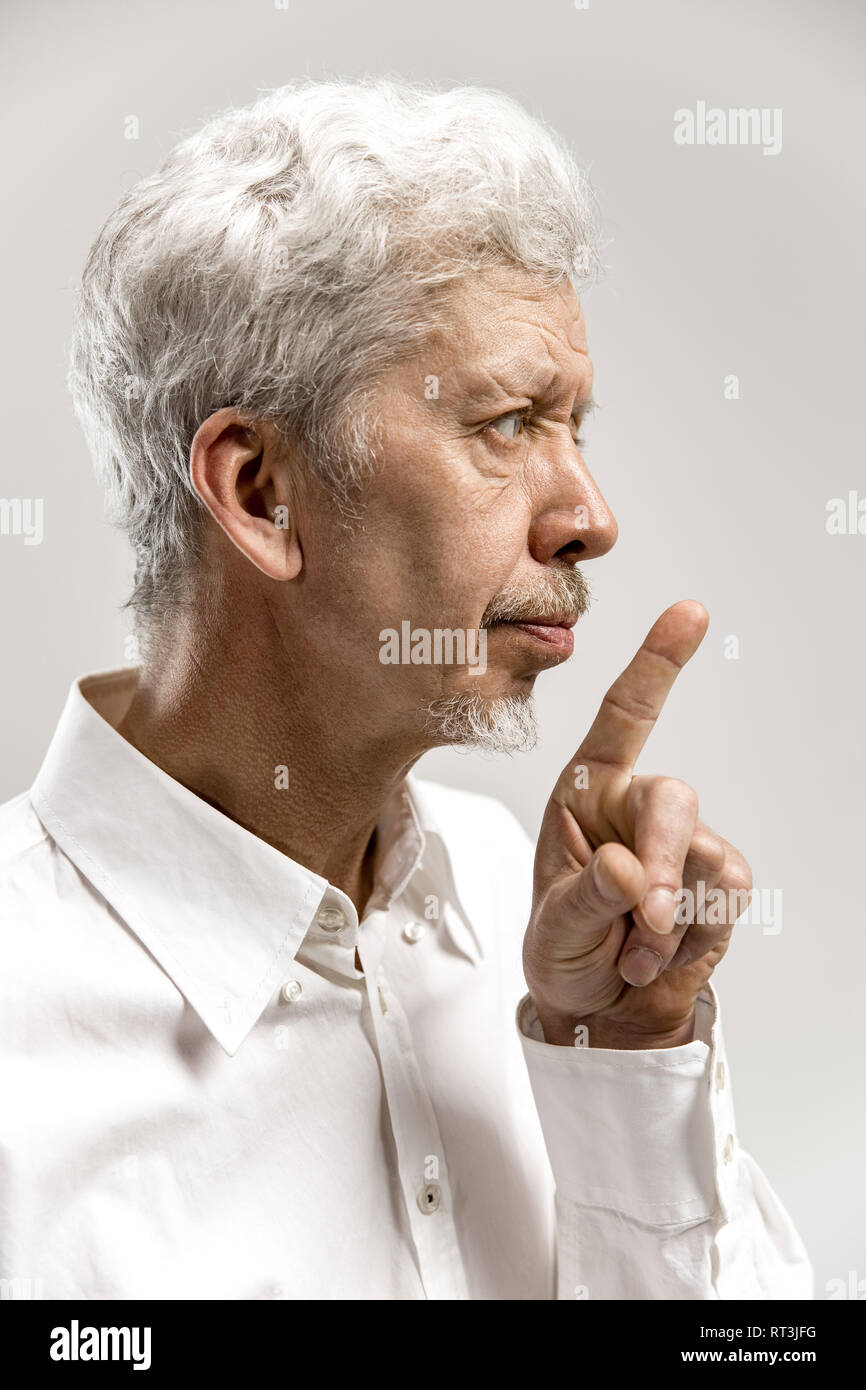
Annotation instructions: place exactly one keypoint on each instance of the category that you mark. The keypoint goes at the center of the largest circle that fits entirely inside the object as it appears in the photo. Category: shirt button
(720, 1076)
(728, 1151)
(331, 918)
(413, 931)
(291, 991)
(429, 1198)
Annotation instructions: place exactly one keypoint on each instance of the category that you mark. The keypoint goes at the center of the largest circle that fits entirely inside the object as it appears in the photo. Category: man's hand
(602, 948)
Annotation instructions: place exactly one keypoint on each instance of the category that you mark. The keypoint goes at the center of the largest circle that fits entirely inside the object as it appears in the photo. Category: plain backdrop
(721, 261)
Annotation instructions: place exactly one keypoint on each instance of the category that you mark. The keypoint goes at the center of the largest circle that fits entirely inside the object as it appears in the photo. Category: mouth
(555, 633)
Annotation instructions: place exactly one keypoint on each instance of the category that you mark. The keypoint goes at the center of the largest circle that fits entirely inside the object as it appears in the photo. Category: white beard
(503, 725)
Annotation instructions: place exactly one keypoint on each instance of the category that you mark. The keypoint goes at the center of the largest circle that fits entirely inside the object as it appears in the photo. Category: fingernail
(659, 908)
(640, 966)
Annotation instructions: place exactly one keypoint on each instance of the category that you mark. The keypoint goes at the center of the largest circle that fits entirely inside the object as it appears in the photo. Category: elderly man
(265, 1021)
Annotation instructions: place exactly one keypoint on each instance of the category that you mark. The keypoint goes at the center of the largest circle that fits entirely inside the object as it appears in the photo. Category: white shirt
(201, 1097)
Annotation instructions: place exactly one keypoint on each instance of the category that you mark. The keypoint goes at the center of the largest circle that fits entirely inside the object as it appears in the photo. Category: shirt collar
(451, 867)
(222, 911)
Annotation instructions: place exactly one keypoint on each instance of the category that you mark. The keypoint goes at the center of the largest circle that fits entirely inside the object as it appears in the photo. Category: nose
(574, 522)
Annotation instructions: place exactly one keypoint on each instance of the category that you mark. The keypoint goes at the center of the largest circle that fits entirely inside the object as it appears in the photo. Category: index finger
(635, 700)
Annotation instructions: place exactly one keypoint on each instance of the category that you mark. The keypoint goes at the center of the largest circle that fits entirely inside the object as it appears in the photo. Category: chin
(495, 722)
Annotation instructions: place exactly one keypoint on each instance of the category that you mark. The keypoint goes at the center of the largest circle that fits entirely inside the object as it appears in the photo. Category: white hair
(284, 257)
(502, 724)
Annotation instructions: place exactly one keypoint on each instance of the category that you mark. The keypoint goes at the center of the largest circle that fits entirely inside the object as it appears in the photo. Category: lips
(554, 632)
(568, 621)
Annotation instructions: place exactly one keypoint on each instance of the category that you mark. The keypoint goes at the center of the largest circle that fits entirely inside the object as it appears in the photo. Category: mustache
(563, 594)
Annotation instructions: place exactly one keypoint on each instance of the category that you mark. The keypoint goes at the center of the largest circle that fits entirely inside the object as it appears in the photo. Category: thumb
(611, 885)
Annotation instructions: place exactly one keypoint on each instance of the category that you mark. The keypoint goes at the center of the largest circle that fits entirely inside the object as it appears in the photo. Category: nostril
(570, 551)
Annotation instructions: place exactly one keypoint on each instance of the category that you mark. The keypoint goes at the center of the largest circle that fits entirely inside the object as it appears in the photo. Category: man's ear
(238, 469)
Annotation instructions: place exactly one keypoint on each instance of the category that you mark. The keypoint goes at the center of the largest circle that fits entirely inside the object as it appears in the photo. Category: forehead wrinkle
(525, 361)
(577, 343)
(524, 373)
(514, 380)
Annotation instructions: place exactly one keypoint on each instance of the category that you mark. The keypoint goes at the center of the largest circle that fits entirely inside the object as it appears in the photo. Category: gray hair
(280, 261)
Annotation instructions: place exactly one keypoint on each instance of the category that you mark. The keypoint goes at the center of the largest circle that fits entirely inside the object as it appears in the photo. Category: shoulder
(21, 833)
(42, 894)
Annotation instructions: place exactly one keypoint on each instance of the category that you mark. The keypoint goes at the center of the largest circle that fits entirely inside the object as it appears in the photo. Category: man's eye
(511, 423)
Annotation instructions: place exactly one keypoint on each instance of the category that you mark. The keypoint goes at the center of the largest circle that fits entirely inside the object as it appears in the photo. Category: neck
(297, 762)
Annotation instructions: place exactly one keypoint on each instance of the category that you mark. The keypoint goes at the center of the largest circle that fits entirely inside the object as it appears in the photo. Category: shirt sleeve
(655, 1199)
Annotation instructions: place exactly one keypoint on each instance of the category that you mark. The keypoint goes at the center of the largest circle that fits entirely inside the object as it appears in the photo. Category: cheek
(474, 555)
(439, 539)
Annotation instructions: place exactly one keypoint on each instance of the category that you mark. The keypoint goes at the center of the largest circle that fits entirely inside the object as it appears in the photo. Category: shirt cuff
(648, 1134)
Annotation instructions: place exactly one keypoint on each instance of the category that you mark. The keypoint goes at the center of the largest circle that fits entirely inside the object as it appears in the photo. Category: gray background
(721, 260)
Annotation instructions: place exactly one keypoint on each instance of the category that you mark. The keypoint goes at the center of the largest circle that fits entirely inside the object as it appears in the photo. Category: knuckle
(699, 942)
(709, 850)
(671, 791)
(629, 700)
(737, 874)
(675, 790)
(662, 791)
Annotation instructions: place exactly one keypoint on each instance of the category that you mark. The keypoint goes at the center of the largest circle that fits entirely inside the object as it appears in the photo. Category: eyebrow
(490, 388)
(583, 405)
